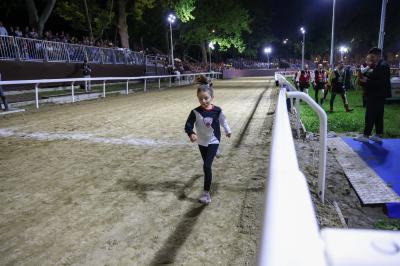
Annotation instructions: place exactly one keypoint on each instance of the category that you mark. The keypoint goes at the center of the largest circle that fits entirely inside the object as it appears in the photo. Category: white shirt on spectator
(3, 31)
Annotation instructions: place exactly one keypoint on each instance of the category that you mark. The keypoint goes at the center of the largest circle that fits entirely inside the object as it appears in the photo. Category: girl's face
(205, 99)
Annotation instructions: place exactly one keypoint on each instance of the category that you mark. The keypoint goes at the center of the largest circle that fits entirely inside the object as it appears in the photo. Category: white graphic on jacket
(207, 123)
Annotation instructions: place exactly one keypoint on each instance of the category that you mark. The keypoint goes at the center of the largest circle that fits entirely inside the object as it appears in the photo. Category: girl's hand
(228, 135)
(193, 138)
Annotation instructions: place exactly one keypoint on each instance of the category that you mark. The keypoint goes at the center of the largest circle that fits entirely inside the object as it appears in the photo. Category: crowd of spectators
(49, 35)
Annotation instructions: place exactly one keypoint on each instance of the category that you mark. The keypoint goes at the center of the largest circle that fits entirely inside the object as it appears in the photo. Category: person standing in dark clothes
(340, 84)
(86, 70)
(3, 97)
(377, 89)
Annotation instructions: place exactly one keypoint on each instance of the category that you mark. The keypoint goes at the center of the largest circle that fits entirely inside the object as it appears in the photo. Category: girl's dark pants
(208, 154)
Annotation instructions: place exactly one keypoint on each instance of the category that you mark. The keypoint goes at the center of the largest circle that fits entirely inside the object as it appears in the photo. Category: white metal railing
(26, 49)
(181, 79)
(290, 233)
(322, 129)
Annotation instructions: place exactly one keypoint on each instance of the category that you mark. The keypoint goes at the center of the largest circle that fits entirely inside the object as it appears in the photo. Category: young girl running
(207, 118)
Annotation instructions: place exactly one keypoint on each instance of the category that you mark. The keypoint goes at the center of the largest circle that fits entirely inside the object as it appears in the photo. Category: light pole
(211, 47)
(333, 34)
(342, 50)
(303, 31)
(267, 51)
(382, 26)
(285, 42)
(171, 19)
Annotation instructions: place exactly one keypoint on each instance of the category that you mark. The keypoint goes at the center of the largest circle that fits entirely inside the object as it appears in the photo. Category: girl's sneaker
(205, 198)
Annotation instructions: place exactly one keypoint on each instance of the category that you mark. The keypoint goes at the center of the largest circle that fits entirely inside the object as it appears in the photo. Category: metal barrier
(283, 238)
(290, 233)
(322, 129)
(186, 78)
(7, 48)
(25, 49)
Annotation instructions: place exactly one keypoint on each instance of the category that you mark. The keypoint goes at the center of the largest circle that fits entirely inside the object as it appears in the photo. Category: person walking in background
(86, 70)
(377, 88)
(340, 84)
(320, 79)
(207, 118)
(304, 81)
(3, 97)
(328, 86)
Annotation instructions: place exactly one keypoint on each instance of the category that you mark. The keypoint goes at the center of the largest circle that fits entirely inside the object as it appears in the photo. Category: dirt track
(115, 181)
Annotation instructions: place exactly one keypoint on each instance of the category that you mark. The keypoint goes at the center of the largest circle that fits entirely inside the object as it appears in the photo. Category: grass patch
(339, 121)
(388, 224)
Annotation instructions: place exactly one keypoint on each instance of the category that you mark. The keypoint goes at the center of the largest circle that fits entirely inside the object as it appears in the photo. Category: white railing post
(298, 117)
(170, 81)
(104, 89)
(322, 135)
(37, 95)
(127, 87)
(159, 83)
(73, 91)
(145, 85)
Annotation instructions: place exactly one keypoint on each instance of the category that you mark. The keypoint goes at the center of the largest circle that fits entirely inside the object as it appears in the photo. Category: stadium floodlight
(171, 19)
(211, 47)
(303, 31)
(268, 50)
(343, 50)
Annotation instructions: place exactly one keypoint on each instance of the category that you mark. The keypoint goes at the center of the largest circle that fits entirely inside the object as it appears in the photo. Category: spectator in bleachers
(17, 32)
(33, 34)
(26, 32)
(3, 30)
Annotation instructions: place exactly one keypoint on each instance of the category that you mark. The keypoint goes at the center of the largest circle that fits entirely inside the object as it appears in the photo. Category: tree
(38, 21)
(221, 22)
(125, 8)
(89, 16)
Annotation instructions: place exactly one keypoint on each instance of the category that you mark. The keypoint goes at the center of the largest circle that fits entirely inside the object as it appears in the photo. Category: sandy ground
(115, 181)
(338, 189)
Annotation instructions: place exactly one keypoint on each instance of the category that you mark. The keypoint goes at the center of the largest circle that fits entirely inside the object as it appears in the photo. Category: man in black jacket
(377, 88)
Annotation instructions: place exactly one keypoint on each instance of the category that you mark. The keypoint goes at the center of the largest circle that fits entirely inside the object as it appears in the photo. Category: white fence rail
(290, 233)
(289, 218)
(181, 79)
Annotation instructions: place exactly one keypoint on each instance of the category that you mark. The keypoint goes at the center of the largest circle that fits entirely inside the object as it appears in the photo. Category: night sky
(316, 16)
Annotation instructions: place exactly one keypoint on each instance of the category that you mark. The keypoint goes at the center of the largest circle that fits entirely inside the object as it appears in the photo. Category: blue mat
(385, 160)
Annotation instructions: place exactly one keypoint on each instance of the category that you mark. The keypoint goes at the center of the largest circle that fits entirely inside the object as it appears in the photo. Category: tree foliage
(101, 15)
(221, 22)
(184, 10)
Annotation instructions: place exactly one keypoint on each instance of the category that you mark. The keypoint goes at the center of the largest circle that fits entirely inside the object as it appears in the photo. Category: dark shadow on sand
(167, 254)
